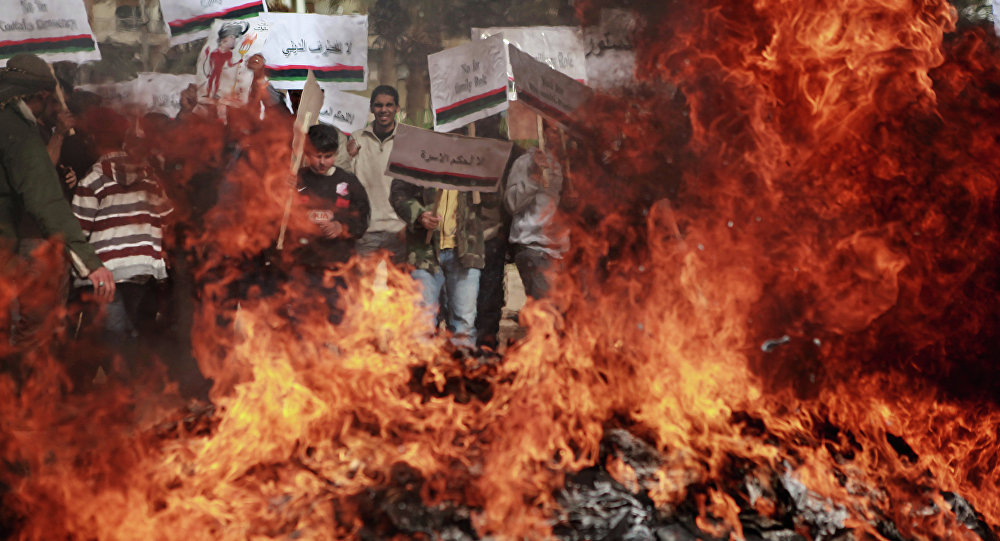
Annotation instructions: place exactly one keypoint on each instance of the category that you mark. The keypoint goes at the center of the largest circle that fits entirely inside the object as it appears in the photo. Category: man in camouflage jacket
(444, 241)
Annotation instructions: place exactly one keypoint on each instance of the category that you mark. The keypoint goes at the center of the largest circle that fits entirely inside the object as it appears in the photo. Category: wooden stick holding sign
(61, 96)
(307, 114)
(541, 148)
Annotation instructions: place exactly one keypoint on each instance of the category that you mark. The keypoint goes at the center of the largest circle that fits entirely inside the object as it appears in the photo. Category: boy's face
(384, 108)
(320, 162)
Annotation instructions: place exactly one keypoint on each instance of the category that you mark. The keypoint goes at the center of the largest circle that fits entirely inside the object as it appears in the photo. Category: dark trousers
(534, 266)
(489, 304)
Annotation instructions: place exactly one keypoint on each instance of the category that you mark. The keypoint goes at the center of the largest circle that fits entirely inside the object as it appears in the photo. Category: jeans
(462, 289)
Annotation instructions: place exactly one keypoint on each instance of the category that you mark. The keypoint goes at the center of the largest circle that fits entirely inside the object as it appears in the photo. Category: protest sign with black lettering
(345, 111)
(448, 161)
(610, 51)
(222, 65)
(188, 20)
(148, 93)
(547, 91)
(561, 47)
(53, 29)
(334, 47)
(468, 82)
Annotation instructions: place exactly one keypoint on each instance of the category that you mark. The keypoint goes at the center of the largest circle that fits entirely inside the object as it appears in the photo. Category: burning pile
(798, 344)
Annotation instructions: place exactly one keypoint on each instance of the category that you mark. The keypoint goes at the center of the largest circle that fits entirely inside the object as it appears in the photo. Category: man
(28, 179)
(370, 153)
(454, 256)
(535, 191)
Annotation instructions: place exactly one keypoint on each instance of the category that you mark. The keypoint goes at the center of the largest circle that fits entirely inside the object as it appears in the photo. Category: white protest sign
(334, 47)
(447, 161)
(161, 92)
(115, 95)
(561, 47)
(468, 82)
(345, 111)
(148, 93)
(610, 51)
(52, 29)
(222, 65)
(547, 91)
(188, 20)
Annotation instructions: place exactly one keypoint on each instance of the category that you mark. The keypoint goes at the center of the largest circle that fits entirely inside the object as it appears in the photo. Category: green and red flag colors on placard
(55, 30)
(448, 161)
(468, 82)
(189, 20)
(334, 47)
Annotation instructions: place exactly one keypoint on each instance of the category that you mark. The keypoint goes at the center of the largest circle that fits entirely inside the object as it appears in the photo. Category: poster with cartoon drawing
(226, 65)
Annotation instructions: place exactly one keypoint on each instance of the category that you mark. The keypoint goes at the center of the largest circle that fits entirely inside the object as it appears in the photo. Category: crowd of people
(101, 183)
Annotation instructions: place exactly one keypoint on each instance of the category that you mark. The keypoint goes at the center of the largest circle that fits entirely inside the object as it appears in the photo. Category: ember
(778, 321)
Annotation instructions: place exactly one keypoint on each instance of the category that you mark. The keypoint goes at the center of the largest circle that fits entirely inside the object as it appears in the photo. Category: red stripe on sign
(336, 67)
(45, 40)
(473, 98)
(440, 173)
(216, 15)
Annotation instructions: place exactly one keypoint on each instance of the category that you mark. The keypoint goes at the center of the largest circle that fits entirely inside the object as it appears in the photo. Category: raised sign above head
(334, 47)
(52, 29)
(189, 20)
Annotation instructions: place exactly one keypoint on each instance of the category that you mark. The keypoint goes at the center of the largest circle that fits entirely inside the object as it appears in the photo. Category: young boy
(122, 210)
(336, 202)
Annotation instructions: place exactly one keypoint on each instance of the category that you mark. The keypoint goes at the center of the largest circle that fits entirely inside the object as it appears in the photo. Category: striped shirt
(121, 209)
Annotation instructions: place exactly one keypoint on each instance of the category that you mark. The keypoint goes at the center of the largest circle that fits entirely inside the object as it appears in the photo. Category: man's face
(384, 108)
(320, 162)
(227, 43)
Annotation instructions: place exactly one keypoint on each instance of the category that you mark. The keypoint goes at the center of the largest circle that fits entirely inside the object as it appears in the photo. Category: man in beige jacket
(370, 151)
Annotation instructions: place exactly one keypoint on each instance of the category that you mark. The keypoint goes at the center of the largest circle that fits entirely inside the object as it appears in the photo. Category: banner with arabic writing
(334, 47)
(561, 47)
(149, 92)
(550, 93)
(448, 161)
(345, 111)
(188, 20)
(468, 82)
(52, 29)
(222, 73)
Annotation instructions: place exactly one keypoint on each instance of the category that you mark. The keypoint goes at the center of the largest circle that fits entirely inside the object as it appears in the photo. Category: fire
(783, 275)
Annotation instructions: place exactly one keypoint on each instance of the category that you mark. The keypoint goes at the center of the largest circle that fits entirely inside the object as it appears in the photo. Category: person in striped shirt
(122, 208)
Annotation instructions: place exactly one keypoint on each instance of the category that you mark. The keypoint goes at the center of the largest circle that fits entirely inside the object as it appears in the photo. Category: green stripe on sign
(470, 108)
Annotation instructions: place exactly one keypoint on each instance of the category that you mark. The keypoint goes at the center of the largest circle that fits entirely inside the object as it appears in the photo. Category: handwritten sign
(610, 50)
(222, 74)
(561, 47)
(547, 91)
(448, 161)
(468, 82)
(149, 92)
(345, 111)
(189, 20)
(334, 47)
(53, 29)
